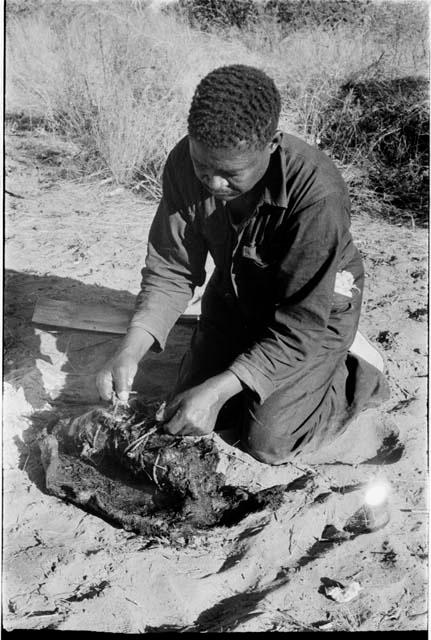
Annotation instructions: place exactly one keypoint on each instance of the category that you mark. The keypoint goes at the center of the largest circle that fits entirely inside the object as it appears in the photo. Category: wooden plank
(86, 316)
(103, 318)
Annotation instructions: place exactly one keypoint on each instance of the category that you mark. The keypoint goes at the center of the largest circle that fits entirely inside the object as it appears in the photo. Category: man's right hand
(117, 376)
(118, 373)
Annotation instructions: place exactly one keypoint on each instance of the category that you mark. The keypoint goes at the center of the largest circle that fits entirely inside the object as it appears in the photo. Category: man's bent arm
(307, 279)
(175, 262)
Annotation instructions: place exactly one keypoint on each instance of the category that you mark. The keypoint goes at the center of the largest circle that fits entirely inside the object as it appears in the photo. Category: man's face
(229, 173)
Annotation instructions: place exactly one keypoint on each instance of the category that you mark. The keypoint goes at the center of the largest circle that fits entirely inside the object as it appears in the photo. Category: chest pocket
(266, 255)
(263, 244)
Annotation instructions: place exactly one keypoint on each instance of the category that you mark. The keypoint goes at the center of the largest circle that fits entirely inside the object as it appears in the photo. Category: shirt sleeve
(306, 276)
(175, 262)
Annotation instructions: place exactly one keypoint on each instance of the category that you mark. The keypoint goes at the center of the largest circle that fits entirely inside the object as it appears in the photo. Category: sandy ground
(66, 569)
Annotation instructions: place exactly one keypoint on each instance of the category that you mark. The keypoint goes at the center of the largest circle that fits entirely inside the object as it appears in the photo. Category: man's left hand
(194, 412)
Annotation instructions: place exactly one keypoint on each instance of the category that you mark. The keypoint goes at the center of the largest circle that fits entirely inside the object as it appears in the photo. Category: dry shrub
(317, 62)
(383, 126)
(342, 87)
(213, 15)
(289, 14)
(385, 17)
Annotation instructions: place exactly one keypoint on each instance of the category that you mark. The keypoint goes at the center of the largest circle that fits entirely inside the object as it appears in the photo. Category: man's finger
(169, 410)
(160, 414)
(190, 430)
(104, 384)
(123, 380)
(175, 424)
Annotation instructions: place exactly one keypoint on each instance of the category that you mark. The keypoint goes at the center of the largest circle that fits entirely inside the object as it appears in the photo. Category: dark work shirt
(276, 270)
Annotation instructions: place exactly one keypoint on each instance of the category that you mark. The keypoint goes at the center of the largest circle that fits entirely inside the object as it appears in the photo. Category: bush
(294, 15)
(216, 14)
(313, 13)
(383, 125)
(291, 14)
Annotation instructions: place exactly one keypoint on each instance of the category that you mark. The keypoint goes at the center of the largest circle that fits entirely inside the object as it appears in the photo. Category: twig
(95, 435)
(81, 520)
(162, 468)
(415, 510)
(40, 614)
(116, 403)
(304, 469)
(129, 421)
(290, 539)
(154, 470)
(14, 195)
(133, 445)
(25, 463)
(144, 470)
(295, 621)
(284, 614)
(139, 424)
(237, 457)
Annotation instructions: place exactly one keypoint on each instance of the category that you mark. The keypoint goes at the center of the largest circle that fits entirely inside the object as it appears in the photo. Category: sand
(66, 569)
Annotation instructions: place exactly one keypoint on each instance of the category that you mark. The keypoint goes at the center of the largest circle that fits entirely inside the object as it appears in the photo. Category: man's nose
(216, 183)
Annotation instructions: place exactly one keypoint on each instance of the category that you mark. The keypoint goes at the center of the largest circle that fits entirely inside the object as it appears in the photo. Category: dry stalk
(116, 405)
(155, 465)
(237, 457)
(95, 435)
(135, 444)
(25, 463)
(144, 469)
(139, 424)
(294, 621)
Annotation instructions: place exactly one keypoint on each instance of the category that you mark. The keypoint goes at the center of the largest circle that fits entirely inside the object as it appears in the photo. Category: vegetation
(290, 15)
(116, 78)
(382, 126)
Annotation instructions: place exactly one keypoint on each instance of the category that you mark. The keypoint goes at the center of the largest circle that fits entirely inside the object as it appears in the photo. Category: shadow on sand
(56, 368)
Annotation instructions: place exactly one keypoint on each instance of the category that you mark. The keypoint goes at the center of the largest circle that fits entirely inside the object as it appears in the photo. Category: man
(281, 309)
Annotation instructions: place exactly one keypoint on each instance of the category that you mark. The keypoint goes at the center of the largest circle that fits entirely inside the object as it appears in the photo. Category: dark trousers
(311, 407)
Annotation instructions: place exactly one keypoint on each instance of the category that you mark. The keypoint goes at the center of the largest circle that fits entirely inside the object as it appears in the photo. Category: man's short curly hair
(233, 104)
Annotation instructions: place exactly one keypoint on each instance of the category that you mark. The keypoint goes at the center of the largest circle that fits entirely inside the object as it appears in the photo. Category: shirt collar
(274, 192)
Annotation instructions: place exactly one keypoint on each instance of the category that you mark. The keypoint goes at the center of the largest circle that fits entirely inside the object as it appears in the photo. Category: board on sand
(103, 318)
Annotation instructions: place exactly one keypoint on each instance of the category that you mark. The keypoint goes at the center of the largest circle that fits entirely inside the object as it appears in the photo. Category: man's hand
(118, 373)
(194, 412)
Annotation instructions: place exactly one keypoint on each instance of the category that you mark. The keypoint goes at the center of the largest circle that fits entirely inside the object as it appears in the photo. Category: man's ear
(276, 139)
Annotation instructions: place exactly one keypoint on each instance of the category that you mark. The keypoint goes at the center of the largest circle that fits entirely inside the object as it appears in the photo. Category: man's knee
(268, 438)
(268, 455)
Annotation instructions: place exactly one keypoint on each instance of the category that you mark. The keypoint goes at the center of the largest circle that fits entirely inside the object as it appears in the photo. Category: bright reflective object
(377, 492)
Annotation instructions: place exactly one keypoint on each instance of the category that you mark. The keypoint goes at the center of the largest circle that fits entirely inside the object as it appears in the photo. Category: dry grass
(118, 84)
(117, 78)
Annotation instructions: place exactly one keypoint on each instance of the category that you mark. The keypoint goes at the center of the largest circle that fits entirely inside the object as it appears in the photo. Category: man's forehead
(240, 155)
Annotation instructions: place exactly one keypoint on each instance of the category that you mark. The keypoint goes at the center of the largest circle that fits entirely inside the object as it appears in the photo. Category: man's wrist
(226, 385)
(137, 342)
